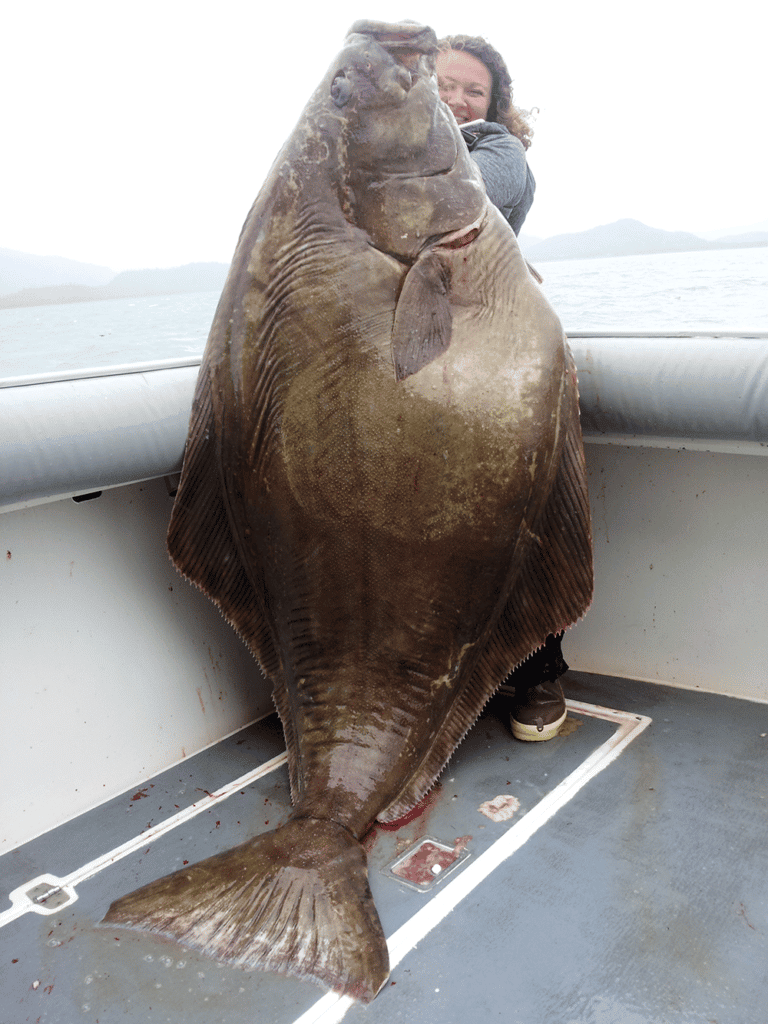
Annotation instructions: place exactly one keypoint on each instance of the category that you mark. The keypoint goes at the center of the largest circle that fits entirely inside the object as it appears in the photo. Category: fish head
(406, 176)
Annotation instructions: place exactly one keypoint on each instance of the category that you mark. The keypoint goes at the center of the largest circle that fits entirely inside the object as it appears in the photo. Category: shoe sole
(530, 733)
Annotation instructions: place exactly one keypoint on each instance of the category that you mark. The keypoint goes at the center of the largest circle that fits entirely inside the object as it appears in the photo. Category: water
(719, 289)
(76, 335)
(724, 289)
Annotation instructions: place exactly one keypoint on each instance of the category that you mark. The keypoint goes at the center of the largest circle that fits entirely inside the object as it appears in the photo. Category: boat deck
(630, 887)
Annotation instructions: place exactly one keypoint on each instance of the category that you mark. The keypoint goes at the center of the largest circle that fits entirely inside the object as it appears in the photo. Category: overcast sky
(138, 134)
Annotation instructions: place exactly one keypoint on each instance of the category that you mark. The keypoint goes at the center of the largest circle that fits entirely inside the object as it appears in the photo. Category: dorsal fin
(200, 540)
(551, 592)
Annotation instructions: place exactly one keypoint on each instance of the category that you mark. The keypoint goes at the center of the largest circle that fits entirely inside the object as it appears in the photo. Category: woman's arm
(504, 169)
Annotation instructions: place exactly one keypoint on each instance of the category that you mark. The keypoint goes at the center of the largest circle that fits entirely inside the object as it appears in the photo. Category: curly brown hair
(502, 109)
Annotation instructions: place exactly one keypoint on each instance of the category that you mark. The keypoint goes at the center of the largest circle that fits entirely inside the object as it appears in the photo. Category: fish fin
(285, 712)
(295, 901)
(422, 327)
(200, 539)
(551, 592)
(554, 588)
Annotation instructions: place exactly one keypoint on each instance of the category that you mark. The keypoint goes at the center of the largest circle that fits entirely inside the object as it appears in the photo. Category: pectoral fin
(422, 328)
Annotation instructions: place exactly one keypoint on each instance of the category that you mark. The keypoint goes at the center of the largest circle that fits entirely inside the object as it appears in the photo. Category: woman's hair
(502, 109)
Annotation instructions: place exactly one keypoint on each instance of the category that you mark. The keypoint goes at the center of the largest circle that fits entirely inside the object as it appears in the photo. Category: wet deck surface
(642, 900)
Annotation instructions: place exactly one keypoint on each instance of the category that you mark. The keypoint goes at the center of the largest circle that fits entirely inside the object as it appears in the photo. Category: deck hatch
(45, 894)
(427, 862)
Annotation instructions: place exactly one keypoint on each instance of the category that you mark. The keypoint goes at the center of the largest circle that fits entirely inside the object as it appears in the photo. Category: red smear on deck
(425, 804)
(429, 860)
(422, 810)
(418, 868)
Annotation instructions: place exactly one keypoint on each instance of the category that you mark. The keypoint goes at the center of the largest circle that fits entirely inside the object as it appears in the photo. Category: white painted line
(21, 904)
(328, 1010)
(332, 1008)
(406, 937)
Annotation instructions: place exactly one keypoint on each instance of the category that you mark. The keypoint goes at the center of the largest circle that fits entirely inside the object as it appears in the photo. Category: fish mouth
(411, 47)
(458, 239)
(406, 41)
(386, 83)
(461, 237)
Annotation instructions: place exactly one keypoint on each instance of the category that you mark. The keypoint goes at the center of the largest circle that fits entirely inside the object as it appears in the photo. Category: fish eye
(341, 89)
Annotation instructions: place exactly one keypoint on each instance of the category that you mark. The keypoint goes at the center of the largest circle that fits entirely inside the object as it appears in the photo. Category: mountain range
(60, 280)
(631, 238)
(27, 280)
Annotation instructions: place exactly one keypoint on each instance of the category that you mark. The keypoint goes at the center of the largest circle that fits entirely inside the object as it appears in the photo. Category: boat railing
(77, 431)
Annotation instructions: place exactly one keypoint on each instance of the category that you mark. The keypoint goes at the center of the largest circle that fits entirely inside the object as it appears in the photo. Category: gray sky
(138, 134)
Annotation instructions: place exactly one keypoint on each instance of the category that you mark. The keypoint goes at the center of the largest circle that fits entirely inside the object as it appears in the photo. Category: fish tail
(295, 900)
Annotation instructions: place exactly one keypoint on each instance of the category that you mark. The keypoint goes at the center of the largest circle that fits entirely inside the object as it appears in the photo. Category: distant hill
(526, 241)
(628, 238)
(27, 280)
(20, 270)
(622, 238)
(193, 277)
(739, 241)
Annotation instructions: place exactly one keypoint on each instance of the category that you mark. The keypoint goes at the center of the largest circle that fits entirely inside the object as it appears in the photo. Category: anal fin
(555, 584)
(551, 591)
(200, 539)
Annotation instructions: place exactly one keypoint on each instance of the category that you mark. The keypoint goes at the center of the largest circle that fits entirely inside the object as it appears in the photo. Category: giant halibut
(383, 491)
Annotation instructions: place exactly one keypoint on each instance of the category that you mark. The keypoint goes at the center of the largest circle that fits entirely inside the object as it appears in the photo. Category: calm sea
(724, 289)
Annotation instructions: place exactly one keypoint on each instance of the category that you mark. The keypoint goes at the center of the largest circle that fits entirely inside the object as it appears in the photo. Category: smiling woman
(465, 85)
(474, 82)
(469, 68)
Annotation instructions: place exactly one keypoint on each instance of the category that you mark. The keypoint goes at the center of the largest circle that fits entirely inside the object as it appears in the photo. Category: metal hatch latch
(44, 895)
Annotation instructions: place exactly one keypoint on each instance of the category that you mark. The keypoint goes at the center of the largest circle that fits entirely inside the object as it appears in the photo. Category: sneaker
(542, 714)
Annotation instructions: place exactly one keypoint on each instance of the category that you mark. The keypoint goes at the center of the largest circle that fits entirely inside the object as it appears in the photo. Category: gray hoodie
(505, 171)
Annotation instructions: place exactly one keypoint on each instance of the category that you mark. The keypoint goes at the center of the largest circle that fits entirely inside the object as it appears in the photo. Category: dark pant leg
(543, 666)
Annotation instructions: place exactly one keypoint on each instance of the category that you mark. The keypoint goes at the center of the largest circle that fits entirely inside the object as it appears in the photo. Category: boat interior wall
(115, 668)
(681, 560)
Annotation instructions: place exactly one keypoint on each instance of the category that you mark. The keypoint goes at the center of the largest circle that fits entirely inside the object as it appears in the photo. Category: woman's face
(465, 84)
